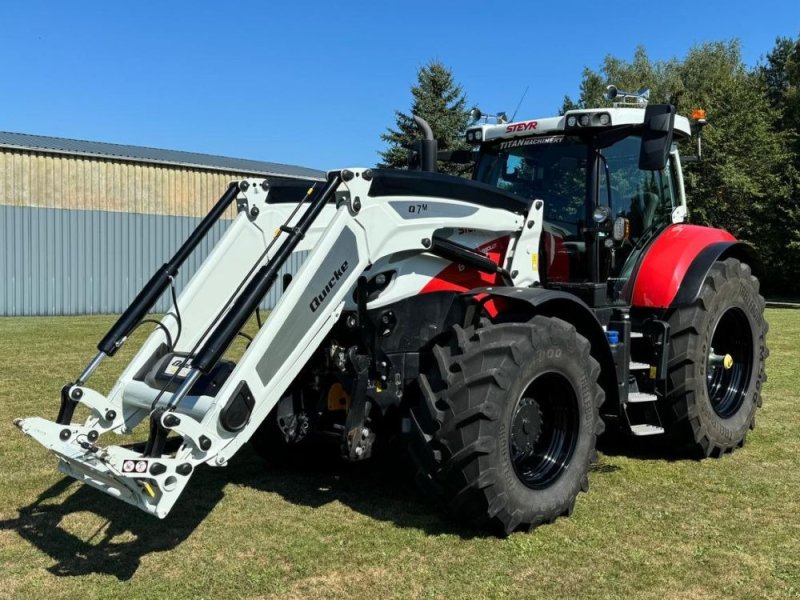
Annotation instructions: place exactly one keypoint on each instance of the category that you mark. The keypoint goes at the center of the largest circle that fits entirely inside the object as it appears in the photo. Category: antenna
(527, 87)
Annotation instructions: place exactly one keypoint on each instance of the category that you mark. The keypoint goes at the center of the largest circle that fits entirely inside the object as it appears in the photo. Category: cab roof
(556, 125)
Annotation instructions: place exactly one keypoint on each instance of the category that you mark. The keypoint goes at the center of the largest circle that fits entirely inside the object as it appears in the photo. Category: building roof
(123, 152)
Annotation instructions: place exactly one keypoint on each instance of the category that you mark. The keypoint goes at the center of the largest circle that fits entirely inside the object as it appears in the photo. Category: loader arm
(332, 245)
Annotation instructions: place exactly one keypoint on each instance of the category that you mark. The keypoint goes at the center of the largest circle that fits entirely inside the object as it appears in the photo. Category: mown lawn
(651, 527)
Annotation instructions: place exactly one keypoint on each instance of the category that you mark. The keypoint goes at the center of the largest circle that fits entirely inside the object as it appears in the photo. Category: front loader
(495, 326)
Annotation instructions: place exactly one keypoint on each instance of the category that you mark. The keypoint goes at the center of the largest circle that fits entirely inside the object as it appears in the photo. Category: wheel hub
(720, 360)
(729, 362)
(527, 426)
(544, 430)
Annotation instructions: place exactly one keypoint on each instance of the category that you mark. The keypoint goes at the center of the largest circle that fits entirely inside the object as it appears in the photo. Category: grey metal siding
(81, 234)
(65, 262)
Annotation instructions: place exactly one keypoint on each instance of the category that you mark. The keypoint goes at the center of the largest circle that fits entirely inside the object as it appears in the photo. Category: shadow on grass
(615, 443)
(118, 545)
(380, 490)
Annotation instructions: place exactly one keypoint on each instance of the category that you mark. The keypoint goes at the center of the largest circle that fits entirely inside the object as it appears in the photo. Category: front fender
(527, 302)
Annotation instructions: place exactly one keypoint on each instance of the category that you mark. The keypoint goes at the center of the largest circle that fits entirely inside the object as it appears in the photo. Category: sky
(315, 83)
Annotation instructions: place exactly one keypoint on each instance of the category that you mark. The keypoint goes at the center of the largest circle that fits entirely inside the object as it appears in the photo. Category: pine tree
(441, 102)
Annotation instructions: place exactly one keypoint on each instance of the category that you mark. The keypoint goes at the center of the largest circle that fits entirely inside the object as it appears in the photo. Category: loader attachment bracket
(358, 437)
(150, 484)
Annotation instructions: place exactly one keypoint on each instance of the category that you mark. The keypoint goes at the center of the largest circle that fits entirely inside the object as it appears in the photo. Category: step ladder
(642, 399)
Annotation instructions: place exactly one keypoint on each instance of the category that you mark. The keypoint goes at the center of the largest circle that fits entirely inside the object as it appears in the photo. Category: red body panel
(458, 278)
(664, 266)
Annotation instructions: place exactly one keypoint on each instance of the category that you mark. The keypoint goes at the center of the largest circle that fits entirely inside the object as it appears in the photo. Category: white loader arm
(359, 230)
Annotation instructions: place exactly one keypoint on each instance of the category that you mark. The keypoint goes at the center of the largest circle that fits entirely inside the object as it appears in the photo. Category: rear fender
(525, 303)
(692, 283)
(676, 261)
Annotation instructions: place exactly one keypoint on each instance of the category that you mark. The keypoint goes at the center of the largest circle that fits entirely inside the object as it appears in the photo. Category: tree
(660, 77)
(441, 102)
(781, 77)
(742, 184)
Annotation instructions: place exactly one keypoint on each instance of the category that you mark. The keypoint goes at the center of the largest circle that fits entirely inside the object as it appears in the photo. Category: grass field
(651, 527)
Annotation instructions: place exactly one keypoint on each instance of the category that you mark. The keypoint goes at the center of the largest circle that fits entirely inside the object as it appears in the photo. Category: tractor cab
(610, 180)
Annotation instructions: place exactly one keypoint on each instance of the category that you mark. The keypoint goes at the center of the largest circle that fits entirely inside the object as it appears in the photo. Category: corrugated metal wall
(81, 236)
(57, 261)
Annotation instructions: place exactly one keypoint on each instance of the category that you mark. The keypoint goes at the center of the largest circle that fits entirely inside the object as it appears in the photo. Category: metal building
(83, 225)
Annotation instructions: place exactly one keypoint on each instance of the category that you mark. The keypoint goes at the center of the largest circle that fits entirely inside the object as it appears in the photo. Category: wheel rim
(544, 430)
(729, 363)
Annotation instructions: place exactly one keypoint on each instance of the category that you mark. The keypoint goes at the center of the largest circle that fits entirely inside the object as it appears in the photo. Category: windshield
(551, 168)
(554, 169)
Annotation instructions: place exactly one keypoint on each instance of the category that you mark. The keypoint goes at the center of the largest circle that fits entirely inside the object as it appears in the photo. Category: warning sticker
(134, 466)
(174, 367)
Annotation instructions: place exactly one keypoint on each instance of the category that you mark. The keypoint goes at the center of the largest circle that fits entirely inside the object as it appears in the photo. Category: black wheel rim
(544, 430)
(731, 342)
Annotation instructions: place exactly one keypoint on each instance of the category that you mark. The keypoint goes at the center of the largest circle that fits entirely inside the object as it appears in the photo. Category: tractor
(495, 327)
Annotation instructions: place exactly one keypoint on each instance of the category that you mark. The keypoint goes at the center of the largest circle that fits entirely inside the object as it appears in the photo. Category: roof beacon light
(699, 115)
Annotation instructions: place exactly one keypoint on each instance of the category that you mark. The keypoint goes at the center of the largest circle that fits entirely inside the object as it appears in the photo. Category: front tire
(506, 426)
(716, 367)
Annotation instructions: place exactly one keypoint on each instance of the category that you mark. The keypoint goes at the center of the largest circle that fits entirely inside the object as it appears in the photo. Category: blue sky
(316, 83)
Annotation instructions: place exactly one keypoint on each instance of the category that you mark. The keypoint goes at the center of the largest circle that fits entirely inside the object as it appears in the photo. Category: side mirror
(659, 123)
(414, 154)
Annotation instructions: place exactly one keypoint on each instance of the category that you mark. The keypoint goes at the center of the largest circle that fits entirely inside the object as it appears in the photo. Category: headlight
(600, 214)
(474, 136)
(593, 119)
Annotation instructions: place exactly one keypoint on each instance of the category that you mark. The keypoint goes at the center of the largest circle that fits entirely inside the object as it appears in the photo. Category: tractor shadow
(125, 535)
(615, 443)
(382, 490)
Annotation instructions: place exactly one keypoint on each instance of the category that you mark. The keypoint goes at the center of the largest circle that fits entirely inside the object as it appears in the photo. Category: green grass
(649, 528)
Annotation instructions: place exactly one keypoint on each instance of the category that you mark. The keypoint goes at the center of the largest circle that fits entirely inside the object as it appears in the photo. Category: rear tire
(507, 423)
(716, 367)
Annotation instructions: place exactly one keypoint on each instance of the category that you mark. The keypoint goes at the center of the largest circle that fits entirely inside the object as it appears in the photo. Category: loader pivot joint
(68, 404)
(157, 439)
